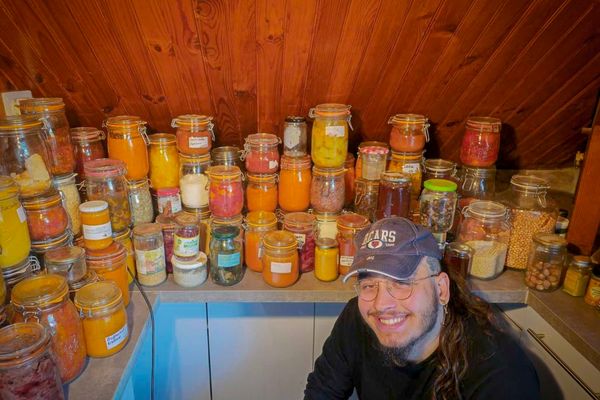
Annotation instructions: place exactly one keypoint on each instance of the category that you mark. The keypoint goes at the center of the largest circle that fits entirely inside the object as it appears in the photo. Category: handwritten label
(335, 131)
(97, 232)
(198, 142)
(116, 338)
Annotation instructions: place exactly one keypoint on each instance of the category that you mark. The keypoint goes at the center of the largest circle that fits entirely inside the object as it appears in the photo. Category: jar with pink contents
(226, 194)
(303, 225)
(261, 153)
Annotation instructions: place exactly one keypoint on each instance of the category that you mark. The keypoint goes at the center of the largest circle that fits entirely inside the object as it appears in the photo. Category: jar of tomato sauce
(261, 153)
(280, 261)
(329, 143)
(303, 226)
(15, 242)
(294, 183)
(164, 161)
(261, 192)
(127, 141)
(348, 225)
(226, 194)
(46, 217)
(111, 264)
(88, 144)
(258, 224)
(409, 132)
(195, 133)
(481, 142)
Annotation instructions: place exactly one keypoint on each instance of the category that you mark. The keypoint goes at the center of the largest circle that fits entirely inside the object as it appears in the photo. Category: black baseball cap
(392, 247)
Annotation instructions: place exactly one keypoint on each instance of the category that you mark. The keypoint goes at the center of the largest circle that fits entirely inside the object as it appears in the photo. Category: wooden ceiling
(535, 64)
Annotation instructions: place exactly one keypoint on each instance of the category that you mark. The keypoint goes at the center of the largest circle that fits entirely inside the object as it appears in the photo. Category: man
(414, 333)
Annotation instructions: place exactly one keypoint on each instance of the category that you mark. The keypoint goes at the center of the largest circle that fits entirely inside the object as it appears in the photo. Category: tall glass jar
(88, 144)
(15, 242)
(348, 225)
(476, 184)
(436, 168)
(45, 299)
(437, 206)
(150, 259)
(258, 223)
(261, 153)
(329, 143)
(546, 262)
(66, 261)
(326, 224)
(46, 217)
(409, 132)
(140, 202)
(294, 183)
(164, 161)
(226, 194)
(374, 161)
(226, 267)
(302, 225)
(411, 165)
(51, 111)
(370, 143)
(294, 136)
(327, 189)
(365, 200)
(127, 141)
(577, 276)
(67, 188)
(105, 180)
(124, 238)
(193, 180)
(195, 133)
(393, 199)
(24, 154)
(261, 192)
(326, 259)
(481, 142)
(349, 178)
(280, 259)
(110, 264)
(230, 156)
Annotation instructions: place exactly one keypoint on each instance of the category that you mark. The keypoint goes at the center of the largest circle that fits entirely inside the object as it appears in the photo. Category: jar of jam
(436, 168)
(186, 239)
(110, 264)
(46, 217)
(294, 136)
(261, 153)
(140, 202)
(302, 225)
(190, 273)
(226, 266)
(167, 200)
(457, 259)
(167, 223)
(393, 199)
(294, 183)
(348, 225)
(329, 143)
(195, 133)
(88, 144)
(476, 184)
(124, 238)
(326, 224)
(409, 132)
(546, 261)
(193, 180)
(327, 190)
(150, 258)
(15, 242)
(65, 184)
(97, 229)
(438, 206)
(349, 177)
(230, 156)
(577, 276)
(258, 223)
(127, 141)
(280, 259)
(326, 259)
(374, 160)
(481, 142)
(365, 198)
(261, 192)
(38, 249)
(164, 161)
(226, 194)
(370, 143)
(66, 261)
(411, 165)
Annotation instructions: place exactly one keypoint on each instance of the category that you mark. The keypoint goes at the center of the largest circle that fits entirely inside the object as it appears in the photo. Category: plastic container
(261, 192)
(140, 202)
(150, 261)
(294, 136)
(374, 160)
(280, 259)
(393, 199)
(164, 161)
(365, 198)
(226, 194)
(195, 133)
(46, 217)
(110, 264)
(124, 238)
(326, 259)
(294, 183)
(186, 238)
(127, 141)
(546, 262)
(458, 258)
(577, 276)
(15, 242)
(326, 224)
(409, 132)
(96, 226)
(436, 168)
(303, 225)
(329, 143)
(437, 206)
(481, 142)
(327, 189)
(88, 144)
(230, 156)
(226, 267)
(348, 225)
(261, 153)
(66, 261)
(190, 273)
(193, 180)
(258, 223)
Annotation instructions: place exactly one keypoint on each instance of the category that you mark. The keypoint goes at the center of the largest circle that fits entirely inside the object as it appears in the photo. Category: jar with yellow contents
(14, 233)
(258, 224)
(127, 141)
(164, 161)
(326, 259)
(329, 143)
(261, 192)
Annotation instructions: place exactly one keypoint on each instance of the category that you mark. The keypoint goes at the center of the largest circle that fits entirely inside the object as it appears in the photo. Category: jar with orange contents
(280, 261)
(194, 133)
(95, 219)
(125, 239)
(111, 264)
(348, 225)
(294, 183)
(164, 161)
(409, 132)
(258, 223)
(261, 192)
(127, 141)
(46, 216)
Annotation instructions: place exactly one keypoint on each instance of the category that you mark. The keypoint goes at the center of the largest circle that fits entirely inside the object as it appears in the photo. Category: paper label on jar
(228, 260)
(281, 268)
(411, 168)
(97, 232)
(198, 142)
(335, 131)
(21, 214)
(116, 338)
(174, 201)
(260, 251)
(186, 247)
(291, 137)
(273, 164)
(346, 261)
(150, 261)
(301, 238)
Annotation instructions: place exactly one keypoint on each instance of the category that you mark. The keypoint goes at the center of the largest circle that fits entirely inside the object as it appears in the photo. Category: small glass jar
(592, 293)
(458, 258)
(329, 143)
(226, 194)
(229, 156)
(167, 223)
(326, 259)
(16, 273)
(349, 178)
(393, 199)
(258, 223)
(302, 225)
(374, 160)
(226, 267)
(38, 249)
(294, 183)
(365, 200)
(90, 277)
(186, 238)
(261, 153)
(577, 276)
(66, 261)
(28, 365)
(327, 189)
(15, 242)
(370, 143)
(261, 192)
(110, 264)
(96, 226)
(167, 200)
(125, 239)
(164, 161)
(545, 262)
(88, 144)
(280, 259)
(409, 132)
(193, 180)
(45, 299)
(150, 260)
(127, 141)
(195, 133)
(67, 188)
(348, 225)
(326, 224)
(202, 217)
(436, 168)
(411, 165)
(437, 206)
(190, 273)
(294, 136)
(140, 202)
(481, 142)
(46, 217)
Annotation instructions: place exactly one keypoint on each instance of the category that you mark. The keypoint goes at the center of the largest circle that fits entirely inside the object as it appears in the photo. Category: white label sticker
(150, 261)
(116, 338)
(291, 136)
(97, 232)
(273, 164)
(186, 247)
(281, 268)
(411, 168)
(301, 238)
(335, 131)
(21, 214)
(346, 261)
(195, 142)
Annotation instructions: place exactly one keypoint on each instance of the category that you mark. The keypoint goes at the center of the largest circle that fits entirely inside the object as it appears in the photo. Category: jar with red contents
(167, 223)
(481, 142)
(394, 195)
(88, 144)
(226, 192)
(195, 134)
(261, 153)
(46, 217)
(409, 132)
(348, 225)
(303, 226)
(186, 240)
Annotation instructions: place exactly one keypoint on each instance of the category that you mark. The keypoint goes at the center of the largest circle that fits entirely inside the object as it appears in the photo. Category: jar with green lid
(150, 259)
(437, 206)
(140, 202)
(280, 259)
(66, 261)
(578, 276)
(226, 266)
(546, 261)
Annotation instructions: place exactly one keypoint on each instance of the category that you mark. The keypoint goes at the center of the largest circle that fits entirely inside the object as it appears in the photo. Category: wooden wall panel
(249, 63)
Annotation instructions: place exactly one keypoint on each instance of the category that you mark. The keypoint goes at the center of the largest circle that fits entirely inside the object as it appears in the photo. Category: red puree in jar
(262, 154)
(226, 199)
(481, 142)
(407, 143)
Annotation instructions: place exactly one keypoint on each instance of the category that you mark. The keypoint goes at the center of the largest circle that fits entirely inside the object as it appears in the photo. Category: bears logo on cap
(375, 244)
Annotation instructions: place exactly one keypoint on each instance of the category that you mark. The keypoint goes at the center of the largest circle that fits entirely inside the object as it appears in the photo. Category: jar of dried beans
(546, 261)
(140, 202)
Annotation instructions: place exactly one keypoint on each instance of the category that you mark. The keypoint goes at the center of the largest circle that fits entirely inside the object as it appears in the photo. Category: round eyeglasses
(367, 289)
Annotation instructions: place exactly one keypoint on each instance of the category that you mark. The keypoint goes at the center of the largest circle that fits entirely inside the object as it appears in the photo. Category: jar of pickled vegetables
(125, 239)
(167, 224)
(226, 194)
(193, 180)
(229, 156)
(481, 142)
(476, 184)
(45, 299)
(16, 273)
(349, 177)
(326, 224)
(294, 136)
(66, 261)
(409, 164)
(167, 200)
(104, 318)
(261, 192)
(294, 183)
(436, 168)
(67, 188)
(46, 217)
(303, 226)
(438, 206)
(164, 161)
(105, 180)
(25, 154)
(127, 141)
(90, 277)
(546, 261)
(38, 249)
(28, 365)
(348, 225)
(261, 153)
(215, 222)
(15, 242)
(190, 273)
(150, 258)
(374, 161)
(186, 238)
(393, 199)
(329, 143)
(88, 144)
(258, 223)
(326, 259)
(327, 189)
(111, 265)
(97, 229)
(195, 133)
(365, 198)
(51, 111)
(370, 143)
(280, 259)
(409, 132)
(226, 266)
(140, 202)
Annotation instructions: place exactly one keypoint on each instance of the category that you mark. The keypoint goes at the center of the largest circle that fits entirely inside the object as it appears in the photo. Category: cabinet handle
(538, 337)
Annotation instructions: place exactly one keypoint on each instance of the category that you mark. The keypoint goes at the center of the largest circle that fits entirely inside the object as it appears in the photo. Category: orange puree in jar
(280, 259)
(126, 142)
(111, 265)
(258, 224)
(96, 226)
(294, 183)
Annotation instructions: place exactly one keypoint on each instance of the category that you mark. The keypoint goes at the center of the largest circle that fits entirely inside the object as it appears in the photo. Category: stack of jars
(188, 262)
(372, 162)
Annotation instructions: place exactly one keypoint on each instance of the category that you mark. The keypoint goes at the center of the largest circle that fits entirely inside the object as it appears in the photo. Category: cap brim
(394, 267)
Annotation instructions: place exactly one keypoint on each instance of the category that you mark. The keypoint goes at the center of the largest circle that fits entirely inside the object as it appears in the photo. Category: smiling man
(413, 332)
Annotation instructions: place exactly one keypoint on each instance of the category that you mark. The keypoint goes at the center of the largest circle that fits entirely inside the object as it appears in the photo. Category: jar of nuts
(546, 262)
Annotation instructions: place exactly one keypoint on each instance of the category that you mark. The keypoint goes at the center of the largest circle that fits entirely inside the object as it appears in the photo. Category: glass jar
(294, 183)
(481, 142)
(140, 202)
(46, 217)
(476, 184)
(226, 267)
(329, 143)
(127, 141)
(349, 177)
(67, 188)
(105, 180)
(302, 225)
(124, 238)
(45, 299)
(167, 200)
(28, 365)
(370, 143)
(193, 180)
(258, 223)
(261, 192)
(167, 223)
(226, 194)
(577, 276)
(186, 238)
(261, 153)
(530, 212)
(592, 293)
(38, 249)
(409, 164)
(90, 277)
(348, 225)
(66, 261)
(294, 136)
(190, 273)
(15, 274)
(545, 262)
(195, 133)
(104, 318)
(485, 229)
(229, 156)
(15, 242)
(326, 259)
(437, 206)
(164, 161)
(327, 189)
(409, 132)
(326, 224)
(202, 217)
(458, 258)
(24, 154)
(97, 230)
(215, 222)
(280, 259)
(51, 111)
(393, 199)
(88, 144)
(150, 259)
(436, 168)
(374, 160)
(365, 200)
(110, 264)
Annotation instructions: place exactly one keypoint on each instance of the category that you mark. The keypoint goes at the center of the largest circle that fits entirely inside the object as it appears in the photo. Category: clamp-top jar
(436, 168)
(261, 153)
(348, 225)
(15, 242)
(546, 261)
(226, 194)
(195, 133)
(127, 141)
(481, 142)
(294, 136)
(88, 144)
(302, 225)
(230, 156)
(258, 223)
(409, 132)
(261, 192)
(393, 199)
(193, 180)
(280, 261)
(164, 161)
(46, 217)
(327, 189)
(294, 183)
(476, 184)
(329, 143)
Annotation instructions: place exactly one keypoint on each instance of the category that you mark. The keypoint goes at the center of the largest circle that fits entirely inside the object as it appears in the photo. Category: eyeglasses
(367, 289)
